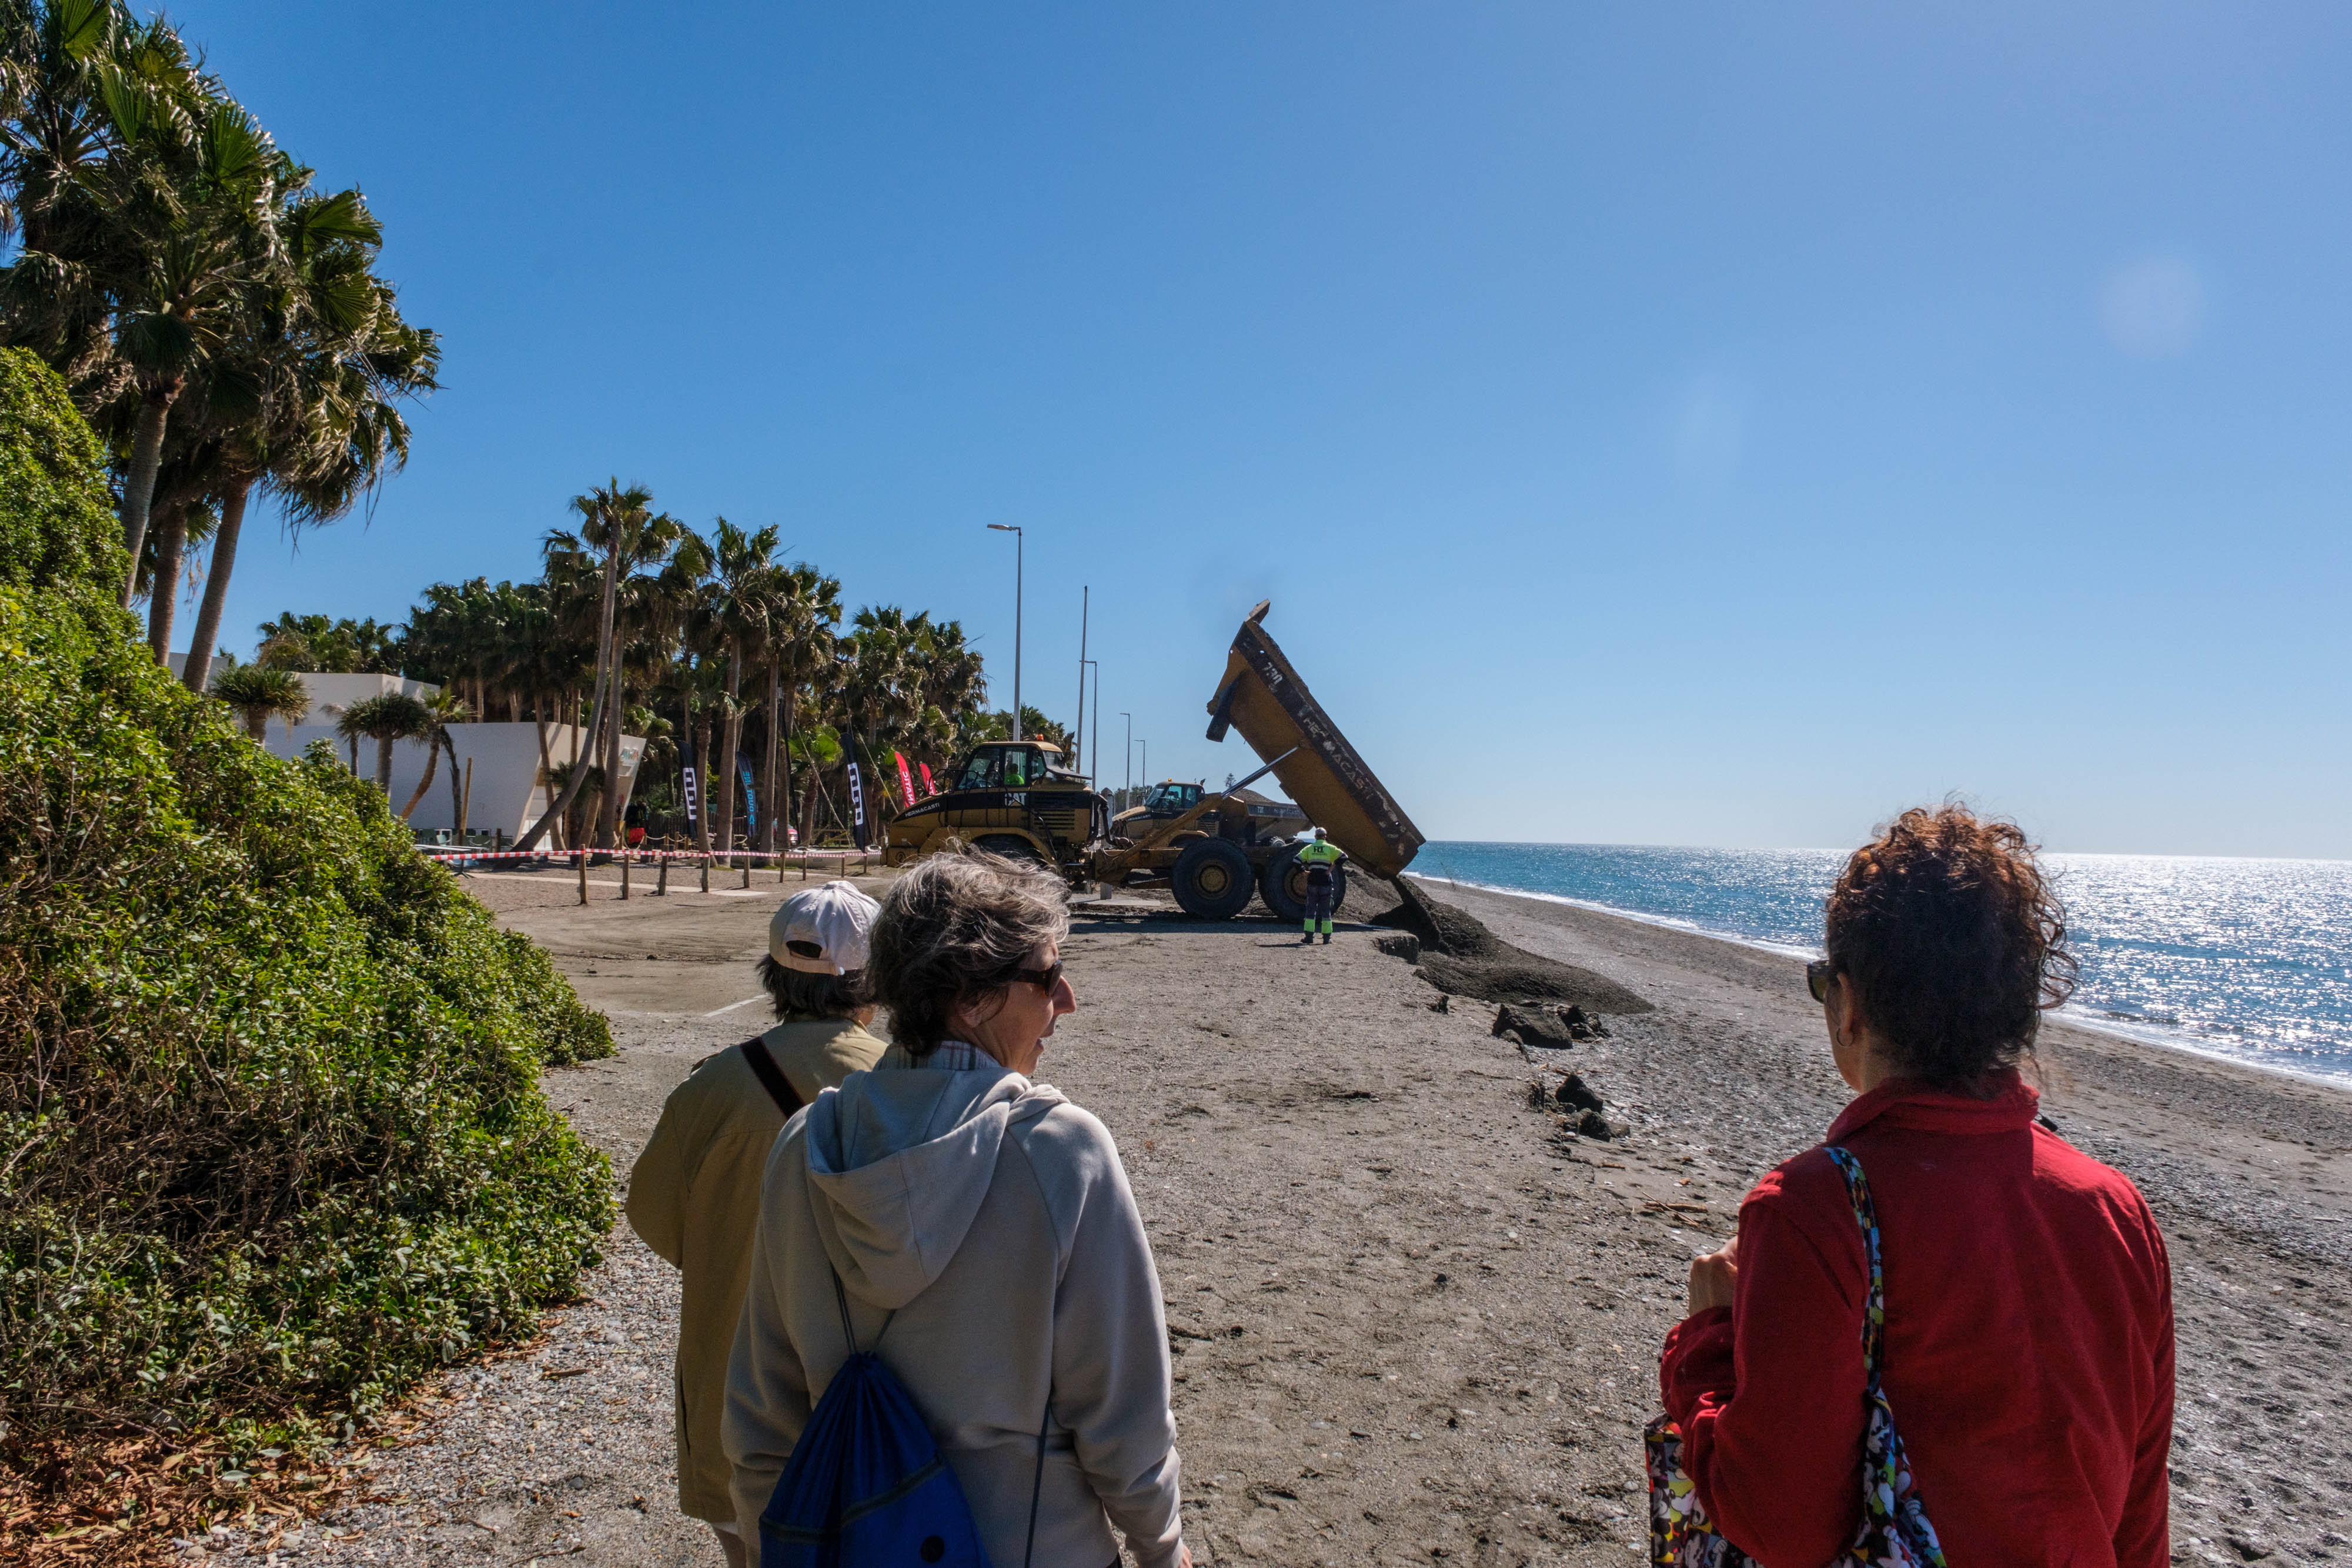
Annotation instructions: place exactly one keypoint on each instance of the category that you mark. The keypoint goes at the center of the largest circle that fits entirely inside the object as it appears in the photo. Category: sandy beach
(1416, 1319)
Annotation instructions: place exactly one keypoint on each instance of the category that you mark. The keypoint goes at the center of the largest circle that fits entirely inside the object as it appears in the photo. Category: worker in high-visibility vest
(1322, 858)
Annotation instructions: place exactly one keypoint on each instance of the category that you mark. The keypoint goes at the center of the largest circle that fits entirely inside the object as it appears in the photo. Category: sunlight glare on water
(2246, 959)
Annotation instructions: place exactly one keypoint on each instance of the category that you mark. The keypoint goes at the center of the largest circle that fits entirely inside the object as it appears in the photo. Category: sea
(2247, 959)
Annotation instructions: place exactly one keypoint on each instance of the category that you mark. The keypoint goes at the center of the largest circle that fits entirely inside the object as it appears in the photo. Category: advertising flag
(928, 788)
(857, 806)
(906, 780)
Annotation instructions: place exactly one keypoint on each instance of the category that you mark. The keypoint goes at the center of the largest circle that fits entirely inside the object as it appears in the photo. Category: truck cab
(1162, 802)
(1171, 798)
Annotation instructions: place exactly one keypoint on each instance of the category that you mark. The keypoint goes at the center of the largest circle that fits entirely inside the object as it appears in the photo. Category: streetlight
(1095, 729)
(1147, 761)
(1128, 795)
(1020, 545)
(1079, 740)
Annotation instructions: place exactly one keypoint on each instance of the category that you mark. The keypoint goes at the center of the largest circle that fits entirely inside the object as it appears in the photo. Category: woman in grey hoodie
(984, 1220)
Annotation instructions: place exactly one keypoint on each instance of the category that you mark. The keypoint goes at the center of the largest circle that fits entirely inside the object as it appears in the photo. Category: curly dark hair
(954, 929)
(1955, 940)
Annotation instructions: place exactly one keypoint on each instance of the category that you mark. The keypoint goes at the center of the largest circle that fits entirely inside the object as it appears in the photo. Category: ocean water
(2249, 959)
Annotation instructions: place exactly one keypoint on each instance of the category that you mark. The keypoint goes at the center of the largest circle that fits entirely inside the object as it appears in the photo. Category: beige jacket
(694, 1196)
(989, 1222)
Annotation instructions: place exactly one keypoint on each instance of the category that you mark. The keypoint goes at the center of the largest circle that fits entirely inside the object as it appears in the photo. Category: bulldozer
(1214, 849)
(1012, 798)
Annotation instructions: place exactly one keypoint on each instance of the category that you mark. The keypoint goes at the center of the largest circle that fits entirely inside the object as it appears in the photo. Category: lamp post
(1079, 740)
(1127, 795)
(1147, 761)
(1094, 729)
(1020, 545)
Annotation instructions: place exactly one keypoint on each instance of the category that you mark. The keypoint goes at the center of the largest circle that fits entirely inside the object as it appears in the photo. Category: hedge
(271, 1137)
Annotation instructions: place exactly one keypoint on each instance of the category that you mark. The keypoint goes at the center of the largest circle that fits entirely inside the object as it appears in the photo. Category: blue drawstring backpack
(866, 1487)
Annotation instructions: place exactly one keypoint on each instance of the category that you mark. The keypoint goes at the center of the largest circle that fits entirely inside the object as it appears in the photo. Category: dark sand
(1417, 1324)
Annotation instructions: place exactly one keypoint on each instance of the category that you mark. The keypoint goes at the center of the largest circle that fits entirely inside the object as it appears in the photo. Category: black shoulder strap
(771, 1077)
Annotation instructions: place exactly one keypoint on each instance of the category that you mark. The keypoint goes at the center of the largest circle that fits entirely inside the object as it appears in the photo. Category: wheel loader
(1216, 851)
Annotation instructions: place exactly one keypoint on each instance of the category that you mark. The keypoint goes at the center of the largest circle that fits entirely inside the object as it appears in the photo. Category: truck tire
(1283, 886)
(1012, 846)
(1212, 879)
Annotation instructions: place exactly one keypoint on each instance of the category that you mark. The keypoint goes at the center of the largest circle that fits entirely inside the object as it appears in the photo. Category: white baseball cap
(822, 930)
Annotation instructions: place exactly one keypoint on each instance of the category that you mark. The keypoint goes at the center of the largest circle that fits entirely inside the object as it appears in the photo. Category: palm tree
(880, 693)
(330, 647)
(396, 716)
(442, 709)
(622, 535)
(150, 205)
(953, 685)
(259, 694)
(804, 607)
(331, 359)
(732, 619)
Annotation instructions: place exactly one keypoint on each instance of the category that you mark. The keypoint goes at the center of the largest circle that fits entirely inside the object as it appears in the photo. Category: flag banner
(928, 788)
(906, 780)
(750, 807)
(692, 814)
(857, 806)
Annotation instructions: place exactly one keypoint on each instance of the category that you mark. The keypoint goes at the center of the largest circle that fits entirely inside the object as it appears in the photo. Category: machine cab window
(1171, 799)
(1003, 768)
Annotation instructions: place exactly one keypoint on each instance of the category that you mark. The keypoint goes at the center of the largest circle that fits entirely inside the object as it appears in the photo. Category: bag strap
(1037, 1482)
(1874, 1309)
(841, 1300)
(771, 1077)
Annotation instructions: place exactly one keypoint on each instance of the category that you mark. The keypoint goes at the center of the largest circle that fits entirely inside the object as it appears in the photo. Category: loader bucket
(1261, 696)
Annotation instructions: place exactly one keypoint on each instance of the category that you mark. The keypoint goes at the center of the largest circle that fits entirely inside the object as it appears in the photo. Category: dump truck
(1214, 848)
(1217, 853)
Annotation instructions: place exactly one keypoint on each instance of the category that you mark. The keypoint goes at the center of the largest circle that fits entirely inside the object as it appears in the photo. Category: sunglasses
(1817, 979)
(1043, 979)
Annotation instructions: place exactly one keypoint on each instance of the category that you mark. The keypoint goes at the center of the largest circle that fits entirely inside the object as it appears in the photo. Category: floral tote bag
(1895, 1531)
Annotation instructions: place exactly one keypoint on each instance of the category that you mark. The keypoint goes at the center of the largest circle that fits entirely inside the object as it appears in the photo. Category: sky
(1663, 423)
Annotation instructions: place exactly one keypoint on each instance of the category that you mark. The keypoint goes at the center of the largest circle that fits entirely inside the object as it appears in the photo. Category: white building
(508, 790)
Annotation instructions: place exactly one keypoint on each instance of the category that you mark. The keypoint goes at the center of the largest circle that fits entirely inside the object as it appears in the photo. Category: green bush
(271, 1138)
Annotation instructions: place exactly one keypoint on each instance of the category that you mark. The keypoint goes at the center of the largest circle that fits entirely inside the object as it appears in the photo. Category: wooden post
(624, 871)
(583, 874)
(746, 870)
(705, 873)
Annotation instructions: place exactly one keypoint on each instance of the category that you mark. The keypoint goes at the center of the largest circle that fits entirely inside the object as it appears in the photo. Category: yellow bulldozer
(1214, 849)
(1012, 798)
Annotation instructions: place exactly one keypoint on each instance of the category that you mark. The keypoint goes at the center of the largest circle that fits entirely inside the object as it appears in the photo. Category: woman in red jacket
(2028, 1348)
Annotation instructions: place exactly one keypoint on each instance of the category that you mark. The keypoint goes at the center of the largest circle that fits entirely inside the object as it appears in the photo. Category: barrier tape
(727, 859)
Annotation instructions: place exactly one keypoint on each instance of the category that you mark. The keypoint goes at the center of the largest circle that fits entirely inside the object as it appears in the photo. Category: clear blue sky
(1710, 425)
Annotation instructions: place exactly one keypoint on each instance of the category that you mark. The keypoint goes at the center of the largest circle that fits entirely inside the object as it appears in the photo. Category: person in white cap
(694, 1195)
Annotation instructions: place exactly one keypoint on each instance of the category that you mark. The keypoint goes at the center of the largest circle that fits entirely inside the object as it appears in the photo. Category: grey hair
(954, 930)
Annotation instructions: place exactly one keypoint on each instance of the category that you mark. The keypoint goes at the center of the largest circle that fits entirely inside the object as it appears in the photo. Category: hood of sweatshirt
(898, 1160)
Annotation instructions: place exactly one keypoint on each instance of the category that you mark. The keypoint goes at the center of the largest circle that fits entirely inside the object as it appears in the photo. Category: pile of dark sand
(1460, 957)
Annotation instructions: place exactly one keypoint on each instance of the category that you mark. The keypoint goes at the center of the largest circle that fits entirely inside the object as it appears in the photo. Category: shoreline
(2154, 1039)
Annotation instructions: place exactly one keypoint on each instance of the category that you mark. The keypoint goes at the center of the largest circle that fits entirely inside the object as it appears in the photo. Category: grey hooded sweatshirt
(989, 1222)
